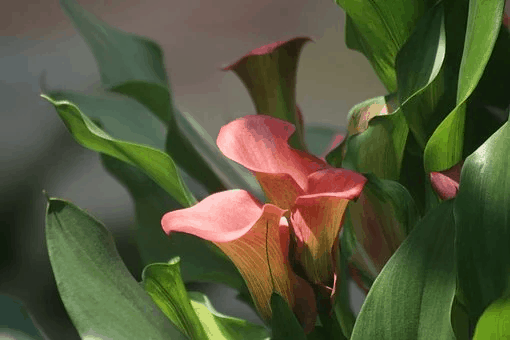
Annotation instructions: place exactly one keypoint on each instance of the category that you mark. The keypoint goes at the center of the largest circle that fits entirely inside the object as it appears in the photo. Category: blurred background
(198, 37)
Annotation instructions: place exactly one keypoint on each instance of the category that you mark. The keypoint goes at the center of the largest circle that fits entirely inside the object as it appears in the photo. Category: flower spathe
(307, 200)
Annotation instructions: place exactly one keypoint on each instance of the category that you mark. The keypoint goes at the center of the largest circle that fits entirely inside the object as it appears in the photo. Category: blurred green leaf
(200, 260)
(412, 296)
(222, 327)
(162, 281)
(483, 223)
(319, 137)
(100, 295)
(158, 165)
(342, 305)
(15, 322)
(494, 323)
(444, 148)
(379, 29)
(284, 324)
(418, 64)
(133, 66)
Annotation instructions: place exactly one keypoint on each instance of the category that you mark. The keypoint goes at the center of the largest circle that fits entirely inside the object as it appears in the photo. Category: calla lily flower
(307, 200)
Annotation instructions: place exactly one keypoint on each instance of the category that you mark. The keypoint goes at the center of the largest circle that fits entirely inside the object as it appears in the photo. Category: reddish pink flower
(446, 183)
(307, 202)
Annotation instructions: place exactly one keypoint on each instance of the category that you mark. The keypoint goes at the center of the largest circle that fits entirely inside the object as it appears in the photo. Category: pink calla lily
(307, 201)
(446, 183)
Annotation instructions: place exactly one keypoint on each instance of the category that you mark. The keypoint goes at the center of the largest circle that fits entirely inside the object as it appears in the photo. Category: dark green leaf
(379, 29)
(418, 64)
(284, 323)
(222, 327)
(158, 165)
(444, 148)
(342, 305)
(15, 323)
(100, 295)
(412, 296)
(483, 223)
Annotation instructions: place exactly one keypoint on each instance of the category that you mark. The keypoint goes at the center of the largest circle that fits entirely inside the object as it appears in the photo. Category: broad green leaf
(269, 74)
(232, 174)
(121, 117)
(483, 223)
(222, 327)
(418, 64)
(379, 29)
(412, 296)
(163, 282)
(200, 260)
(444, 148)
(100, 295)
(158, 165)
(15, 322)
(494, 324)
(133, 66)
(284, 324)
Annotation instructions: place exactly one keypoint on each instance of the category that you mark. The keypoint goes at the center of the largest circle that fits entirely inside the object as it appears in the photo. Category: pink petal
(260, 143)
(216, 218)
(254, 237)
(446, 183)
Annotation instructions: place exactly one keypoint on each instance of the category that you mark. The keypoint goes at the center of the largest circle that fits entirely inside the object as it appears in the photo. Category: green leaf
(412, 296)
(418, 64)
(284, 323)
(444, 148)
(222, 327)
(15, 321)
(380, 148)
(158, 165)
(379, 29)
(342, 305)
(125, 60)
(483, 223)
(232, 174)
(495, 321)
(133, 66)
(162, 281)
(99, 293)
(121, 117)
(200, 260)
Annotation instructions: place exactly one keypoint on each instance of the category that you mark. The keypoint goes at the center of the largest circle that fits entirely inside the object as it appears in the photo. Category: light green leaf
(482, 218)
(444, 148)
(494, 324)
(100, 295)
(222, 327)
(158, 165)
(412, 296)
(164, 284)
(200, 260)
